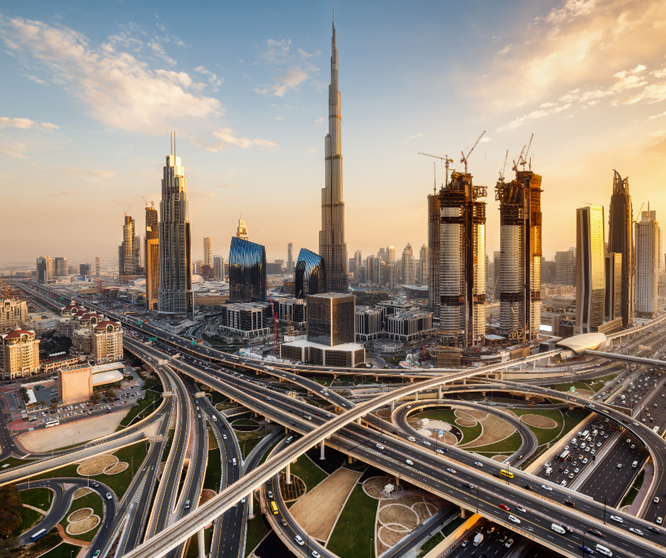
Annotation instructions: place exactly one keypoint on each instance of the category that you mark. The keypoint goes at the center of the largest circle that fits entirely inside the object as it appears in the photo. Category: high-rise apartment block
(520, 256)
(620, 241)
(421, 267)
(60, 267)
(208, 252)
(462, 284)
(20, 354)
(85, 269)
(332, 246)
(565, 268)
(128, 251)
(590, 269)
(290, 259)
(107, 342)
(45, 269)
(13, 314)
(152, 255)
(97, 266)
(358, 263)
(613, 310)
(247, 271)
(218, 267)
(407, 265)
(647, 272)
(175, 242)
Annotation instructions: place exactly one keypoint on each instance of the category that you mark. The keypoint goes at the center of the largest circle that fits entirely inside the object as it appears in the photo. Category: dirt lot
(117, 468)
(538, 421)
(494, 430)
(96, 465)
(46, 439)
(318, 510)
(465, 422)
(84, 526)
(80, 515)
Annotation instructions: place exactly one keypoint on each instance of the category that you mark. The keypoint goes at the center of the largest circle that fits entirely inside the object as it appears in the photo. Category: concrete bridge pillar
(288, 473)
(358, 420)
(462, 513)
(411, 380)
(322, 451)
(393, 405)
(439, 392)
(571, 406)
(483, 393)
(376, 378)
(416, 396)
(250, 514)
(202, 545)
(464, 381)
(501, 374)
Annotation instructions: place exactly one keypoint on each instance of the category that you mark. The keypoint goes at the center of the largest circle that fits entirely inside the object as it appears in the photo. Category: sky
(92, 90)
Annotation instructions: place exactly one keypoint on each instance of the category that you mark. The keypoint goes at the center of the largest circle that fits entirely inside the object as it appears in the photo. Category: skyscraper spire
(332, 247)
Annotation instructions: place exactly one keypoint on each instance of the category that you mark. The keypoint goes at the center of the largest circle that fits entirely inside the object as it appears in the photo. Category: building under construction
(462, 272)
(433, 253)
(520, 255)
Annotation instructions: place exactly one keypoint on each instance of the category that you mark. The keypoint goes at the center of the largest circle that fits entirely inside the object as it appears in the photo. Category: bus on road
(274, 507)
(564, 455)
(507, 474)
(51, 423)
(38, 534)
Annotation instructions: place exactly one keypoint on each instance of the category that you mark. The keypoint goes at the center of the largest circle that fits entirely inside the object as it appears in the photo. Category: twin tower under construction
(457, 258)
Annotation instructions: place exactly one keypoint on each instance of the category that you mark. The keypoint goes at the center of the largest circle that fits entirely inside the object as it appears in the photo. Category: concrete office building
(45, 269)
(13, 314)
(310, 275)
(152, 252)
(369, 323)
(621, 241)
(565, 268)
(408, 326)
(462, 284)
(75, 384)
(60, 267)
(85, 269)
(590, 269)
(520, 256)
(175, 294)
(218, 267)
(647, 272)
(208, 252)
(332, 246)
(20, 354)
(292, 311)
(246, 320)
(613, 309)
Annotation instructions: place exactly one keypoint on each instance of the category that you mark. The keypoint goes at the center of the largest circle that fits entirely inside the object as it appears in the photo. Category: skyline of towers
(520, 255)
(590, 269)
(175, 241)
(620, 241)
(647, 260)
(128, 251)
(462, 284)
(332, 247)
(152, 255)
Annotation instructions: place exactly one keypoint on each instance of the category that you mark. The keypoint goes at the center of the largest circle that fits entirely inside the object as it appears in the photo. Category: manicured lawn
(633, 491)
(48, 542)
(63, 550)
(119, 483)
(91, 500)
(13, 462)
(354, 533)
(308, 472)
(431, 543)
(248, 440)
(447, 415)
(544, 435)
(213, 470)
(29, 518)
(38, 497)
(457, 522)
(506, 446)
(257, 529)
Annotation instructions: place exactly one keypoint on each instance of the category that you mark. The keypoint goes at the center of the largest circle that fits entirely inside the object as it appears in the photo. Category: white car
(409, 462)
(427, 443)
(379, 446)
(316, 554)
(440, 451)
(520, 509)
(412, 439)
(478, 464)
(616, 518)
(636, 531)
(514, 519)
(299, 540)
(452, 471)
(546, 487)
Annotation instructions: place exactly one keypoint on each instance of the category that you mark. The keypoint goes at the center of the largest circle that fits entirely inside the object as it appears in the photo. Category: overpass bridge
(654, 362)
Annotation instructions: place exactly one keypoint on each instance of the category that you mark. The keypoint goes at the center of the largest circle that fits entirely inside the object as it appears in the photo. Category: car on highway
(452, 471)
(546, 487)
(379, 446)
(520, 509)
(412, 439)
(442, 450)
(299, 540)
(654, 529)
(617, 518)
(595, 532)
(659, 520)
(656, 500)
(409, 462)
(514, 519)
(586, 549)
(478, 464)
(636, 531)
(108, 496)
(504, 507)
(315, 554)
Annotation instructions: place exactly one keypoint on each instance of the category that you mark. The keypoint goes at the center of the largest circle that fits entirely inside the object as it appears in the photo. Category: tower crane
(446, 164)
(152, 203)
(501, 176)
(464, 157)
(522, 160)
(639, 213)
(130, 205)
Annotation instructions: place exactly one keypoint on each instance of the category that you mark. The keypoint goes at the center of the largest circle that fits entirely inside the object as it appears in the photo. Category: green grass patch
(29, 518)
(38, 497)
(48, 542)
(142, 404)
(64, 550)
(90, 500)
(119, 483)
(506, 446)
(257, 529)
(633, 491)
(212, 440)
(567, 386)
(193, 548)
(213, 470)
(453, 525)
(245, 422)
(447, 415)
(248, 440)
(308, 472)
(353, 536)
(431, 543)
(13, 462)
(544, 435)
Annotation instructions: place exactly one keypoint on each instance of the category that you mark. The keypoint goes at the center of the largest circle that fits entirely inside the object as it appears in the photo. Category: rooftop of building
(17, 333)
(331, 295)
(343, 347)
(579, 343)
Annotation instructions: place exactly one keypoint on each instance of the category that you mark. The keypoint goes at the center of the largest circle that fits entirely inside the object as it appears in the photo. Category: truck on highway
(549, 471)
(478, 539)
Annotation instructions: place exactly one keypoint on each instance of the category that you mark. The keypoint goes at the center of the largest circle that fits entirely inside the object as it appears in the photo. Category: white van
(549, 471)
(601, 549)
(634, 464)
(558, 529)
(214, 418)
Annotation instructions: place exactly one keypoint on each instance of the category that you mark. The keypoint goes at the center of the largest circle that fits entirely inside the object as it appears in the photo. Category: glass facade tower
(152, 258)
(331, 319)
(247, 271)
(590, 269)
(310, 274)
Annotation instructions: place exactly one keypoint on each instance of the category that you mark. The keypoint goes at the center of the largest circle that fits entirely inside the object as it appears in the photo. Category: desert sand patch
(84, 526)
(80, 515)
(96, 465)
(81, 492)
(500, 458)
(465, 422)
(539, 421)
(495, 429)
(424, 510)
(117, 468)
(398, 514)
(318, 511)
(84, 430)
(478, 415)
(388, 537)
(374, 487)
(459, 413)
(206, 494)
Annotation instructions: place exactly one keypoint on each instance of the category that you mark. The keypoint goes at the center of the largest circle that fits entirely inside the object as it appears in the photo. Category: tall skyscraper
(621, 241)
(613, 309)
(247, 271)
(520, 255)
(152, 255)
(44, 269)
(60, 267)
(647, 272)
(127, 251)
(390, 251)
(241, 230)
(208, 252)
(97, 266)
(565, 268)
(433, 253)
(421, 273)
(407, 265)
(175, 241)
(462, 284)
(332, 247)
(358, 263)
(590, 269)
(218, 267)
(310, 274)
(290, 259)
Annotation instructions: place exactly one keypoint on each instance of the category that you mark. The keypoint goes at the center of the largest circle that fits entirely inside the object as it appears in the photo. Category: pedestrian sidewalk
(643, 492)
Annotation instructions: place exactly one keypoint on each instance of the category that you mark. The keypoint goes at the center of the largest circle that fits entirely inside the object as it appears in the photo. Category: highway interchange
(361, 441)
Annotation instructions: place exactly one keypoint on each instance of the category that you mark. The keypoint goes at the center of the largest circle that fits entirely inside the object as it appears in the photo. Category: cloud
(25, 124)
(226, 185)
(212, 78)
(657, 116)
(95, 173)
(283, 83)
(64, 193)
(312, 150)
(13, 149)
(118, 89)
(227, 138)
(291, 68)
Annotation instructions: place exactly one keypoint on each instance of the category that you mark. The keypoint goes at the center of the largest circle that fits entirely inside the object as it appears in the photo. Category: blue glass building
(247, 271)
(310, 274)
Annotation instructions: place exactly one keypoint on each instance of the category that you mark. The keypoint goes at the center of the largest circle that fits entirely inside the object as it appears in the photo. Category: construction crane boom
(464, 157)
(522, 160)
(639, 213)
(446, 163)
(504, 167)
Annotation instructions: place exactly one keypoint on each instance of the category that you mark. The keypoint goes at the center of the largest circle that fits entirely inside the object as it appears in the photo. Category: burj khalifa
(332, 246)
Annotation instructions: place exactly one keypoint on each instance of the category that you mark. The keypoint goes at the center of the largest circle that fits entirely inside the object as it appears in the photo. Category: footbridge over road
(654, 362)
